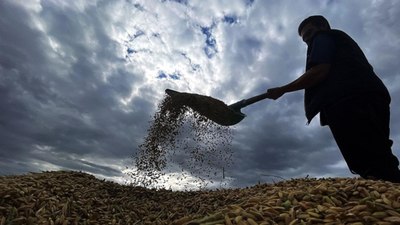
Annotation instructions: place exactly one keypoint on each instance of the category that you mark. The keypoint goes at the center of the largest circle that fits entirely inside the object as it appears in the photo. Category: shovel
(214, 109)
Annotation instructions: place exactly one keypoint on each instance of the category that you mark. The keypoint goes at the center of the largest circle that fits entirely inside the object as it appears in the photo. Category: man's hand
(275, 93)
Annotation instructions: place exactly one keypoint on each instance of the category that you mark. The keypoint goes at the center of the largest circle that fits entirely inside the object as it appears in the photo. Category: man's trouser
(360, 126)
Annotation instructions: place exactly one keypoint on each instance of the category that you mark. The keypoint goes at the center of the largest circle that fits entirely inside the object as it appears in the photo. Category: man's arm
(310, 78)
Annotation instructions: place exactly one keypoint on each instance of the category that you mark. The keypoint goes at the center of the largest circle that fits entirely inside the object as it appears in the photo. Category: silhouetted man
(342, 87)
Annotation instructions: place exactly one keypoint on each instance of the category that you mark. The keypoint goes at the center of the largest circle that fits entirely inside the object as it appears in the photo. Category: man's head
(308, 27)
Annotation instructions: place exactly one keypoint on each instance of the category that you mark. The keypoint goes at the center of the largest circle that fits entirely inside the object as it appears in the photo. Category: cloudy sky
(80, 80)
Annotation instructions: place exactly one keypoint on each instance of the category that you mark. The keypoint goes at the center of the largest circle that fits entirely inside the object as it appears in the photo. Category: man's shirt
(350, 73)
(323, 50)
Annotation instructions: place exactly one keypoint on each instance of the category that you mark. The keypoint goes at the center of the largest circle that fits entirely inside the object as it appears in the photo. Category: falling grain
(181, 136)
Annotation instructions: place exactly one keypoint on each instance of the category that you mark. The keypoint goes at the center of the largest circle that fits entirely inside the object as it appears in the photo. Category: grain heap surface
(78, 198)
(183, 137)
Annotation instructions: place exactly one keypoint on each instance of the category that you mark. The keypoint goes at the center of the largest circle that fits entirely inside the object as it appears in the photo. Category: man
(342, 87)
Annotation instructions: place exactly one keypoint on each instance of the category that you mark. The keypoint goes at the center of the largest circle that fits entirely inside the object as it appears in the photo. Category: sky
(80, 80)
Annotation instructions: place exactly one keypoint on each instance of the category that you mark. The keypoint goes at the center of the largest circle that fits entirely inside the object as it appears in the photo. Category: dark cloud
(68, 98)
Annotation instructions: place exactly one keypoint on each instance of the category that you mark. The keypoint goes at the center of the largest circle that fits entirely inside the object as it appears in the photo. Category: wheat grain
(180, 136)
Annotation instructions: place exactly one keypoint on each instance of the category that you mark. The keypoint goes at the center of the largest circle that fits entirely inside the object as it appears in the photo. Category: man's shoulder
(332, 32)
(338, 33)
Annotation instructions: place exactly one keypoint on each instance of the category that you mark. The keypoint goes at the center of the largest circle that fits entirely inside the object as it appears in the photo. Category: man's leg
(360, 127)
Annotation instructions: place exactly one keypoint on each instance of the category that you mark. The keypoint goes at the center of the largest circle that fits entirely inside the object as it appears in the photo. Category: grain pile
(180, 136)
(78, 198)
(310, 201)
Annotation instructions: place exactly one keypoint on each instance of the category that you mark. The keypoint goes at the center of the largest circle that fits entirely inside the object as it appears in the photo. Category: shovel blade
(209, 107)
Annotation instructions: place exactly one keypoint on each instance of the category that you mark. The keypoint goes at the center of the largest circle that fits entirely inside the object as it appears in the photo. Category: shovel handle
(245, 102)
